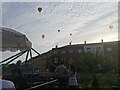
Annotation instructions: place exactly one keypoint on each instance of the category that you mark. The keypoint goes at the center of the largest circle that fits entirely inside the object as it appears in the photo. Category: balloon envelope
(43, 36)
(58, 30)
(110, 26)
(70, 34)
(13, 40)
(39, 9)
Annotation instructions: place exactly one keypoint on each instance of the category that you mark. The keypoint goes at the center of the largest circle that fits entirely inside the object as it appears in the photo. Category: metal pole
(31, 65)
(11, 57)
(44, 58)
(15, 58)
(38, 86)
(35, 51)
(27, 56)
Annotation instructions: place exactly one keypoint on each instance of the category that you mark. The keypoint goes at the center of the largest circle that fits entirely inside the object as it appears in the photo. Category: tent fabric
(13, 40)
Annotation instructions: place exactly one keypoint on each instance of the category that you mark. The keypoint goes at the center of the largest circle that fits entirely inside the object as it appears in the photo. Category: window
(88, 48)
(63, 52)
(118, 48)
(55, 52)
(55, 60)
(71, 51)
(98, 47)
(79, 51)
(63, 59)
(71, 60)
(108, 49)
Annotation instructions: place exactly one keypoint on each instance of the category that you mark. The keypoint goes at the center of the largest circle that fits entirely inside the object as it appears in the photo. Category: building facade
(70, 54)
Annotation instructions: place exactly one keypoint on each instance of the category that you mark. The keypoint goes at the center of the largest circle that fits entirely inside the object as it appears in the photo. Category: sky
(86, 21)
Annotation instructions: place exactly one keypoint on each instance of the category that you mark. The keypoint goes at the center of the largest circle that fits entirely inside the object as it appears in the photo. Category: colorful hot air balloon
(110, 26)
(39, 9)
(43, 36)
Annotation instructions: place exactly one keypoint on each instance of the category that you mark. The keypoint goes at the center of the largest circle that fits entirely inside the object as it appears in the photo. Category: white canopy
(13, 40)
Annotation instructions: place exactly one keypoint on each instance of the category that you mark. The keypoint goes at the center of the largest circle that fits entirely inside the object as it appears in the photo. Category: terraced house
(70, 54)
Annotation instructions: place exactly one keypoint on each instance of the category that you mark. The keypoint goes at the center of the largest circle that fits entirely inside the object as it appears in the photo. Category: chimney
(56, 46)
(70, 43)
(102, 40)
(84, 42)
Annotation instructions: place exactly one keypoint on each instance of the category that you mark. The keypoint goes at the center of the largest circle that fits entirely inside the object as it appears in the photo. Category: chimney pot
(102, 40)
(56, 46)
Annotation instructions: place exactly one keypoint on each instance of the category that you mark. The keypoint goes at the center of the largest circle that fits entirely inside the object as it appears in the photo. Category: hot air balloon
(39, 9)
(58, 30)
(70, 34)
(110, 26)
(43, 36)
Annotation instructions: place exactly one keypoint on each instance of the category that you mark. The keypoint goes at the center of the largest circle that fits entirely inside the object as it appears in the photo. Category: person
(61, 72)
(94, 82)
(72, 77)
(6, 84)
(18, 79)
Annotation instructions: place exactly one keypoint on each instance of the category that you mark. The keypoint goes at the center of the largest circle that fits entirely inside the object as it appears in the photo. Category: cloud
(85, 20)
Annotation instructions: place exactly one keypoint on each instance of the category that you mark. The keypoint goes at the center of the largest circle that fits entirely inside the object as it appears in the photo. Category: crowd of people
(67, 78)
(16, 82)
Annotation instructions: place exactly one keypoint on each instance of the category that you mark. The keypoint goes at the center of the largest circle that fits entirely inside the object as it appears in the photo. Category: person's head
(72, 68)
(62, 62)
(16, 72)
(0, 75)
(19, 63)
(1, 72)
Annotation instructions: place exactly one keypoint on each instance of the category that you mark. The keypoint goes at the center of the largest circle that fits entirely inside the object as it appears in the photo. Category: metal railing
(41, 85)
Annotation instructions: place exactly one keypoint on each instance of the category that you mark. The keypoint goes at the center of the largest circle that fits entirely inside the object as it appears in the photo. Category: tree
(97, 63)
(103, 66)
